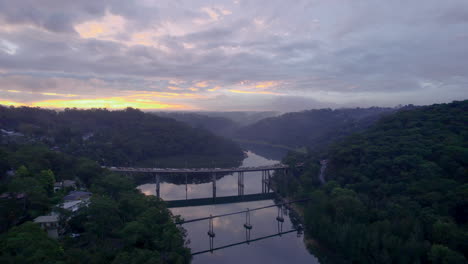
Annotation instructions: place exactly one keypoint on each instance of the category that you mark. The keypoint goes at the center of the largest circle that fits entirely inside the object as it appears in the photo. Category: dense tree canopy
(312, 128)
(117, 138)
(114, 228)
(396, 193)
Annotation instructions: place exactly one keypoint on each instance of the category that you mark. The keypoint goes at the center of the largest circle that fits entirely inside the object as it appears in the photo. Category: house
(77, 195)
(49, 223)
(73, 206)
(64, 184)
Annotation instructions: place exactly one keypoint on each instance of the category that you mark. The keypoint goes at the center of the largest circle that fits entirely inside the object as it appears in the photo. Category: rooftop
(46, 219)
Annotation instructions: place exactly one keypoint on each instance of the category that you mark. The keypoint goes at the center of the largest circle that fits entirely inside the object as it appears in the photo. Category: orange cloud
(45, 93)
(57, 94)
(111, 103)
(105, 28)
(254, 92)
(202, 84)
(174, 88)
(5, 102)
(174, 95)
(266, 84)
(216, 88)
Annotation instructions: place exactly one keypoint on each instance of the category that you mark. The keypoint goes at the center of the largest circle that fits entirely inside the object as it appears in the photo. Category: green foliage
(120, 138)
(47, 179)
(443, 255)
(121, 225)
(28, 243)
(313, 128)
(396, 193)
(115, 206)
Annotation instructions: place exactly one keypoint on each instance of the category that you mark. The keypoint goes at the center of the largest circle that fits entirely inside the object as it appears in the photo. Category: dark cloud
(332, 52)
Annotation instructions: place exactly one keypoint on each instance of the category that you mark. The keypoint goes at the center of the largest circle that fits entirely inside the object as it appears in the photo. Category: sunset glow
(110, 103)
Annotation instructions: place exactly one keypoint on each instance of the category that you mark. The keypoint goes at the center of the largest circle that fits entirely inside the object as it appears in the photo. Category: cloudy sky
(232, 55)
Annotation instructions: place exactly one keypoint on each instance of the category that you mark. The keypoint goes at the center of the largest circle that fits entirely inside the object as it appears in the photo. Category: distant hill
(216, 124)
(242, 118)
(312, 128)
(124, 137)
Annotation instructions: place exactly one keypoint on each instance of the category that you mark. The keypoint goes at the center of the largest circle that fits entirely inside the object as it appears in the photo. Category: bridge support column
(186, 187)
(211, 233)
(269, 181)
(285, 181)
(157, 180)
(247, 226)
(280, 219)
(214, 185)
(240, 183)
(265, 181)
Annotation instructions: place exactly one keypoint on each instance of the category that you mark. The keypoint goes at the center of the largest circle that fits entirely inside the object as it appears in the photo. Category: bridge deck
(196, 170)
(220, 200)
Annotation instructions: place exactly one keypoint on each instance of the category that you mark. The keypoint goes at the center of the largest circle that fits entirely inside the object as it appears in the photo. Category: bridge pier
(247, 226)
(186, 187)
(214, 185)
(269, 181)
(280, 219)
(158, 185)
(266, 181)
(240, 183)
(211, 233)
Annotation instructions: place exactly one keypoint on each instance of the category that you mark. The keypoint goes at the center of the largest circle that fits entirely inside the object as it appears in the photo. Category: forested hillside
(119, 225)
(116, 138)
(218, 125)
(396, 193)
(312, 128)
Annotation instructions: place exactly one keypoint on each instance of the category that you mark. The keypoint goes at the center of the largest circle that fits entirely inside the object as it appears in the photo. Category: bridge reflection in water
(282, 209)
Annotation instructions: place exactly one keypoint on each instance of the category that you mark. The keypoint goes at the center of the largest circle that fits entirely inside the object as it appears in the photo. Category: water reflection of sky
(230, 229)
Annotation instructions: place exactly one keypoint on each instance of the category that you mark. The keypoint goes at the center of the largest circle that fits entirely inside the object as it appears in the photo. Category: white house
(49, 223)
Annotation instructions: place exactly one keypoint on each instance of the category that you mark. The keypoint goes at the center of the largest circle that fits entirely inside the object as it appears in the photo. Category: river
(287, 248)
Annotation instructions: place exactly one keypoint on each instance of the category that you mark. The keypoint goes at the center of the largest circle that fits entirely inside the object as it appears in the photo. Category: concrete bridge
(274, 167)
(157, 172)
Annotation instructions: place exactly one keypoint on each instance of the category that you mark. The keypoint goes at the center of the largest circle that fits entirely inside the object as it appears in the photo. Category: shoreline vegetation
(395, 193)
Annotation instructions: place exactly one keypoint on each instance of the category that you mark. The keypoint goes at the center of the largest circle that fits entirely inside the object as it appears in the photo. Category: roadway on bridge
(278, 166)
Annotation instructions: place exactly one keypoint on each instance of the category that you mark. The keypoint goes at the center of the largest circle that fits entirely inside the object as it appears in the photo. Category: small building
(49, 223)
(73, 206)
(77, 195)
(64, 184)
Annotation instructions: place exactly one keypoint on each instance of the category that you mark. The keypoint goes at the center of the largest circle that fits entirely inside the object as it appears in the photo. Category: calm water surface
(288, 248)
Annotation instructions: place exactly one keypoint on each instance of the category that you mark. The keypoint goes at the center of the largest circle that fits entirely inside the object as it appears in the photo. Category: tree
(440, 254)
(28, 243)
(47, 180)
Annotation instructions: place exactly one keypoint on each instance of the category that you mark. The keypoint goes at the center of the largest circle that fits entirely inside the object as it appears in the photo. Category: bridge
(157, 172)
(274, 167)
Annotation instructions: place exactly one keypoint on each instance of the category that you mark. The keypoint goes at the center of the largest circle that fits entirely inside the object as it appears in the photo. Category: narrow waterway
(287, 248)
